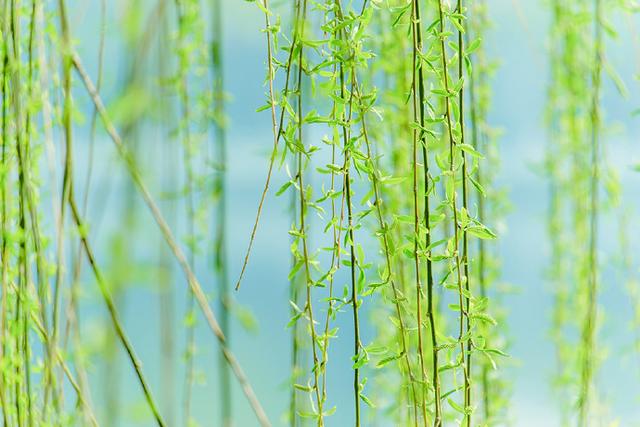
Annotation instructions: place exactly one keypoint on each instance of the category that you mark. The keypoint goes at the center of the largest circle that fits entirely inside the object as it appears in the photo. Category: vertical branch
(555, 159)
(4, 199)
(23, 370)
(354, 290)
(301, 23)
(67, 178)
(465, 240)
(168, 294)
(336, 221)
(73, 308)
(295, 347)
(477, 123)
(592, 290)
(456, 225)
(188, 149)
(221, 211)
(296, 203)
(94, 113)
(404, 351)
(417, 88)
(347, 147)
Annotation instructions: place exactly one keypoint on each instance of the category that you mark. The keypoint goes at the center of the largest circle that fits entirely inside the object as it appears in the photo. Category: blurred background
(130, 247)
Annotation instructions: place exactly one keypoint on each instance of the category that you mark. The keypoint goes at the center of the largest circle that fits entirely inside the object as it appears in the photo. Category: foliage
(380, 117)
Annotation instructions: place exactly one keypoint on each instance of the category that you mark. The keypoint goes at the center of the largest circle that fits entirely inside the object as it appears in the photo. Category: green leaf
(303, 387)
(330, 411)
(264, 107)
(473, 46)
(477, 185)
(283, 188)
(386, 360)
(306, 414)
(366, 400)
(360, 360)
(261, 6)
(481, 232)
(455, 406)
(470, 150)
(495, 351)
(484, 317)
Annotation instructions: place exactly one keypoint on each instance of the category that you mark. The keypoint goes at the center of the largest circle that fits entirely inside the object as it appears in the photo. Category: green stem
(419, 138)
(462, 300)
(465, 206)
(221, 214)
(588, 333)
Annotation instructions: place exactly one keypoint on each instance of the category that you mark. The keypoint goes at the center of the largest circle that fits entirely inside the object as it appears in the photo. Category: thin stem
(188, 149)
(456, 226)
(476, 120)
(113, 313)
(276, 129)
(417, 88)
(276, 126)
(303, 212)
(354, 293)
(94, 113)
(387, 254)
(592, 291)
(167, 295)
(23, 388)
(68, 165)
(4, 199)
(337, 228)
(346, 139)
(465, 206)
(221, 214)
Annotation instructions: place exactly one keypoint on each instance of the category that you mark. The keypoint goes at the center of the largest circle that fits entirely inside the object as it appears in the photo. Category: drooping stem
(589, 325)
(221, 211)
(346, 140)
(300, 23)
(337, 221)
(4, 200)
(167, 295)
(68, 164)
(276, 129)
(23, 388)
(462, 300)
(354, 292)
(477, 118)
(404, 350)
(188, 150)
(417, 89)
(465, 206)
(296, 280)
(418, 64)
